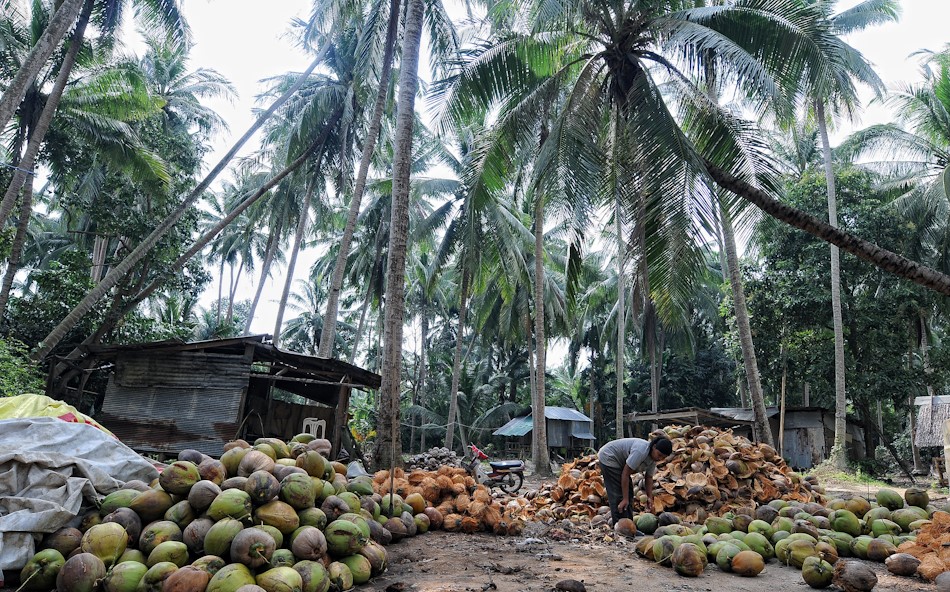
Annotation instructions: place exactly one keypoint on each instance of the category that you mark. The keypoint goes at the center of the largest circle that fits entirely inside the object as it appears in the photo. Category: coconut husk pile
(717, 471)
(932, 547)
(432, 459)
(465, 505)
(710, 472)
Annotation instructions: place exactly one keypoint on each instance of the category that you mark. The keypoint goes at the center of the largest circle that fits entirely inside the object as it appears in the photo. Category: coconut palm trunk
(292, 262)
(839, 455)
(269, 252)
(389, 448)
(882, 258)
(38, 133)
(374, 277)
(621, 321)
(457, 363)
(749, 361)
(16, 249)
(423, 375)
(540, 454)
(118, 272)
(328, 334)
(58, 26)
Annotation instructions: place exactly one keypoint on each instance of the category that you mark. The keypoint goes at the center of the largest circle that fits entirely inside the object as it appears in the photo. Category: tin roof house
(163, 397)
(566, 428)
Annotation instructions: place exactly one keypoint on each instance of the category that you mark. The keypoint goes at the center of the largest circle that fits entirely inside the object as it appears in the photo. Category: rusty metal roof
(326, 369)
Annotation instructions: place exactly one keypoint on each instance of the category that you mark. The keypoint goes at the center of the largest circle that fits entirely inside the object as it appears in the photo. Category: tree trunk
(912, 415)
(540, 453)
(838, 457)
(388, 451)
(118, 272)
(38, 133)
(217, 314)
(16, 249)
(457, 365)
(58, 26)
(374, 276)
(745, 332)
(269, 251)
(621, 287)
(292, 262)
(328, 335)
(232, 293)
(882, 258)
(423, 374)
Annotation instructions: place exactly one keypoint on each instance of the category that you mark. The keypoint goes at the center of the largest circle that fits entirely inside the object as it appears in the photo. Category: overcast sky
(247, 41)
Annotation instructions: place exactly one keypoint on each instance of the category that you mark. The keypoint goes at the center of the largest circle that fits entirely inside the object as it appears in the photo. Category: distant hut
(933, 413)
(567, 429)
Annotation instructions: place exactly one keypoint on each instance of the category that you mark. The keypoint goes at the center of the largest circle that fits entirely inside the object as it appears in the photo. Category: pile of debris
(432, 459)
(932, 547)
(464, 505)
(710, 472)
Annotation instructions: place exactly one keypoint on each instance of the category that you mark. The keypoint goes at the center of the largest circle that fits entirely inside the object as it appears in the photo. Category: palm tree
(389, 448)
(839, 91)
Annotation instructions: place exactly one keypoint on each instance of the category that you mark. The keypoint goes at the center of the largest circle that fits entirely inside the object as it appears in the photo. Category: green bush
(18, 375)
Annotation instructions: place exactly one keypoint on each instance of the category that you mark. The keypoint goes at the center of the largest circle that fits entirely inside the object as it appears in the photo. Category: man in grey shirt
(620, 459)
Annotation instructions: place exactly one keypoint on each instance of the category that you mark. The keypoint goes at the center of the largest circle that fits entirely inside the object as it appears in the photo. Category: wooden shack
(567, 429)
(163, 397)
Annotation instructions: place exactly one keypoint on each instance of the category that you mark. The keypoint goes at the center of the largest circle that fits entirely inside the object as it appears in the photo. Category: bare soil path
(456, 562)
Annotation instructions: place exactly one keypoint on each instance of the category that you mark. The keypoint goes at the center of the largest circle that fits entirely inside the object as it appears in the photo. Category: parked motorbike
(508, 475)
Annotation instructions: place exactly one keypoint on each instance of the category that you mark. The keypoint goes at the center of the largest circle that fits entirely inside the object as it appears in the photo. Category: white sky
(245, 40)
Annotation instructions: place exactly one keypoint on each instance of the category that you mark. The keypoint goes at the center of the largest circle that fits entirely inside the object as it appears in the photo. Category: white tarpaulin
(50, 469)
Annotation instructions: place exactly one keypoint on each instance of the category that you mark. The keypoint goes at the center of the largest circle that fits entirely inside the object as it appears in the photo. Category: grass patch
(828, 474)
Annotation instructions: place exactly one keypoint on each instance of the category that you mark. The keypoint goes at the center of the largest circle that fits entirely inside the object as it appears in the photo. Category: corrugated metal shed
(565, 413)
(170, 395)
(517, 427)
(562, 424)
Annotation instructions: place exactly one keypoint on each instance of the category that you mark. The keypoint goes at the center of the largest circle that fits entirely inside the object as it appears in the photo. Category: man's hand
(623, 504)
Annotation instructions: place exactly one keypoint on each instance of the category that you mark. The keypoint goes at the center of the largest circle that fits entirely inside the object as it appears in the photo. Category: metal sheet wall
(176, 401)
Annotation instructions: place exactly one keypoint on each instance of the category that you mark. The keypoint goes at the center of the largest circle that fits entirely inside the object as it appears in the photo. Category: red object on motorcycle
(478, 453)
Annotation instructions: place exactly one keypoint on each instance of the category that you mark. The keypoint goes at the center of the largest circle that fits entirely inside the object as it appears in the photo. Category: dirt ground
(455, 562)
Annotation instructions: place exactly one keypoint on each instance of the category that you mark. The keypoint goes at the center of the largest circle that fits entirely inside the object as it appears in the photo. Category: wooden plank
(339, 418)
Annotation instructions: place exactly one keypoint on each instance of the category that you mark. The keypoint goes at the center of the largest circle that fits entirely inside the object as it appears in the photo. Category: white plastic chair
(315, 427)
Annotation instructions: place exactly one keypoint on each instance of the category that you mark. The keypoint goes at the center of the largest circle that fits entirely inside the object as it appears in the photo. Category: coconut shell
(902, 564)
(80, 573)
(187, 579)
(854, 576)
(202, 494)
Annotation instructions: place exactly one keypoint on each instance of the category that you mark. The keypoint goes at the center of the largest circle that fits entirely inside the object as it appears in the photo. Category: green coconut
(878, 513)
(107, 541)
(725, 554)
(280, 579)
(782, 523)
(157, 533)
(273, 532)
(220, 535)
(230, 577)
(859, 546)
(278, 514)
(881, 527)
(230, 503)
(359, 567)
(313, 576)
(297, 491)
(846, 521)
(312, 517)
(663, 548)
(761, 545)
(252, 547)
(797, 551)
(905, 517)
(717, 525)
(117, 499)
(124, 577)
(879, 550)
(647, 523)
(376, 555)
(170, 551)
(340, 576)
(151, 505)
(262, 487)
(231, 459)
(816, 572)
(41, 570)
(210, 563)
(917, 497)
(345, 538)
(133, 555)
(283, 558)
(179, 477)
(688, 560)
(181, 514)
(154, 579)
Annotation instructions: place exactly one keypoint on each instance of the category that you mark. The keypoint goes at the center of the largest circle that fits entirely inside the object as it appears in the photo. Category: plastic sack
(25, 406)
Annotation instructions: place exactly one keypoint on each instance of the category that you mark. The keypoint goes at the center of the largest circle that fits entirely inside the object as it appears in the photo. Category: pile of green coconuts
(274, 516)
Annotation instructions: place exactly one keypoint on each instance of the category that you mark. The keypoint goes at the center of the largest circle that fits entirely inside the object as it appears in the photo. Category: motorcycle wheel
(511, 482)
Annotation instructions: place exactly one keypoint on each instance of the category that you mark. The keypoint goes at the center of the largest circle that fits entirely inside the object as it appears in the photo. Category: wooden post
(805, 394)
(339, 418)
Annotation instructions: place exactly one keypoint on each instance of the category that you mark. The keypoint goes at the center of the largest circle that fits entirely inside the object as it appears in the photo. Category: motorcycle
(508, 475)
